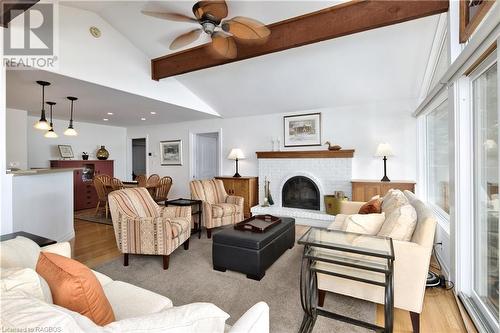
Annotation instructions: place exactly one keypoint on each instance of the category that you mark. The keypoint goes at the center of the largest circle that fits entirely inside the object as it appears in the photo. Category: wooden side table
(189, 202)
(41, 241)
(364, 190)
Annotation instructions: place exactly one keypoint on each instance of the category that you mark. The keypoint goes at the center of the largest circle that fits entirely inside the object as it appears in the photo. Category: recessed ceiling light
(110, 113)
(105, 119)
(143, 118)
(152, 112)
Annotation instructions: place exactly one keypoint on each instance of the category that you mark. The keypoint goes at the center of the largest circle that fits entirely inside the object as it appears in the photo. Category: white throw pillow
(338, 222)
(26, 280)
(194, 317)
(393, 200)
(400, 224)
(24, 313)
(368, 224)
(19, 252)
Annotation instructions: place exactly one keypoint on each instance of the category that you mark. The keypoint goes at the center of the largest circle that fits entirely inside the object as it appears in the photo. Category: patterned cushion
(179, 226)
(393, 200)
(224, 209)
(136, 202)
(400, 223)
(211, 190)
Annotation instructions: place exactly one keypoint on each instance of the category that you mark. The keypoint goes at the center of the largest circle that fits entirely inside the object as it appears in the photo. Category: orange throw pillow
(75, 287)
(373, 206)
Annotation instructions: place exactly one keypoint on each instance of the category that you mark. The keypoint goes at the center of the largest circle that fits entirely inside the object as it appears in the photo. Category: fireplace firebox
(300, 192)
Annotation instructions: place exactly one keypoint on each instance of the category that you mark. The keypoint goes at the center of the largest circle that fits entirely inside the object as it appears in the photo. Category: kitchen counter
(40, 171)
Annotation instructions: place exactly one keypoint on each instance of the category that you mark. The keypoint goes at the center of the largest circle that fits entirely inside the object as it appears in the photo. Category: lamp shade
(384, 149)
(236, 153)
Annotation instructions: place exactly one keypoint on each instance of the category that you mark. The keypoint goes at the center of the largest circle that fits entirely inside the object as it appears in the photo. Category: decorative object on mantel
(50, 133)
(42, 124)
(236, 154)
(102, 154)
(85, 156)
(384, 150)
(276, 144)
(334, 147)
(302, 130)
(343, 153)
(171, 152)
(65, 151)
(70, 131)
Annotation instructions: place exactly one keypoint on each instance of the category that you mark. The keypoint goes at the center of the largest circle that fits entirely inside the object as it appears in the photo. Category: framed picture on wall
(65, 151)
(171, 152)
(302, 130)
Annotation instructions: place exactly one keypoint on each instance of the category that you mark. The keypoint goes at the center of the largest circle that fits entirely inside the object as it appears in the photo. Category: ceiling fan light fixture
(208, 27)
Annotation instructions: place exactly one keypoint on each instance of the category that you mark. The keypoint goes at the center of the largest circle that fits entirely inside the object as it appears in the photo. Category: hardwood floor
(94, 244)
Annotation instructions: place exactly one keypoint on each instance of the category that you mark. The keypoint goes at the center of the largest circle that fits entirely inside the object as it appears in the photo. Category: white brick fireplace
(330, 171)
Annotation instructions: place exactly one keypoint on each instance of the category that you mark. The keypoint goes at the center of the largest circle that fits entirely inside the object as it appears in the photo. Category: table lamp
(236, 154)
(384, 150)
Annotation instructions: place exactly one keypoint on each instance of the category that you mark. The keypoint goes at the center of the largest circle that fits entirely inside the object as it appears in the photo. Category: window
(486, 199)
(471, 14)
(438, 158)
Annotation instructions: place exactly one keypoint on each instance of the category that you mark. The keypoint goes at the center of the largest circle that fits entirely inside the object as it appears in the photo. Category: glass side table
(362, 258)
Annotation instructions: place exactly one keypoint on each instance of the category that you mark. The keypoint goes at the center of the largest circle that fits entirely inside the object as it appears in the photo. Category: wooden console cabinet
(246, 187)
(84, 194)
(364, 190)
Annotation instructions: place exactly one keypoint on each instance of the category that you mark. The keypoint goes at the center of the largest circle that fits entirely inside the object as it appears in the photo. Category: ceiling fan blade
(224, 45)
(214, 9)
(185, 39)
(246, 28)
(170, 16)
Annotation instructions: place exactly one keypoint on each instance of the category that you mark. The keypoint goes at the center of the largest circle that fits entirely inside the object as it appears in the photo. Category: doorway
(205, 161)
(138, 157)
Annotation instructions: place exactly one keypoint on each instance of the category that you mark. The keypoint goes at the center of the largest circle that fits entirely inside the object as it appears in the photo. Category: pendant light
(42, 124)
(50, 133)
(70, 131)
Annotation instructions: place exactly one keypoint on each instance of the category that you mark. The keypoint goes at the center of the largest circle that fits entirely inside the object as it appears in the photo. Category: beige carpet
(190, 278)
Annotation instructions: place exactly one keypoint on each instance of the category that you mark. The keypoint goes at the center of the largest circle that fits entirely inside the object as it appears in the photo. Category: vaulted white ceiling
(384, 64)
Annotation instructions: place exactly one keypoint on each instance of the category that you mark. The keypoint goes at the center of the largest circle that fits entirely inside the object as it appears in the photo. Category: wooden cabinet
(364, 190)
(84, 194)
(246, 187)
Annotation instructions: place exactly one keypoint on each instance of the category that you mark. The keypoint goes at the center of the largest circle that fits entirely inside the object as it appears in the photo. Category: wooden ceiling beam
(333, 22)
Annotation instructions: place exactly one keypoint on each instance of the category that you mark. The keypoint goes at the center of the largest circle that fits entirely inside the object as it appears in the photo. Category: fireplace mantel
(344, 153)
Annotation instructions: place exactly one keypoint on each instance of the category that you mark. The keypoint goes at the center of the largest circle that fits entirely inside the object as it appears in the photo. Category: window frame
(467, 25)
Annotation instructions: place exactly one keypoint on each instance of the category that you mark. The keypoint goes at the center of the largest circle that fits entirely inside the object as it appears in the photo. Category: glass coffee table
(362, 258)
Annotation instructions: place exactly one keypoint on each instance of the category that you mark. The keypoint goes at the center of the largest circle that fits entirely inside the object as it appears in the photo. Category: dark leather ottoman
(252, 253)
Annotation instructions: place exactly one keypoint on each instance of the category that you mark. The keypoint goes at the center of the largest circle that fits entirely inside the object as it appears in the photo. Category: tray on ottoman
(258, 223)
(249, 252)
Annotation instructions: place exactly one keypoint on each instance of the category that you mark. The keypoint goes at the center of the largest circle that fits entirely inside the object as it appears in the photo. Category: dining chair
(116, 184)
(102, 195)
(152, 184)
(141, 180)
(163, 188)
(105, 179)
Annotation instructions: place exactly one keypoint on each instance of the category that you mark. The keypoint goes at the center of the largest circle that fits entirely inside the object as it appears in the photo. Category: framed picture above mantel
(302, 130)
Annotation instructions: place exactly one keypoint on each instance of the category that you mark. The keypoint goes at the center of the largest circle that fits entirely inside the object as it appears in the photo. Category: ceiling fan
(210, 15)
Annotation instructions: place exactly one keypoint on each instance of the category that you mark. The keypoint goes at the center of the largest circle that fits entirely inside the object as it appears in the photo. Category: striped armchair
(219, 208)
(143, 227)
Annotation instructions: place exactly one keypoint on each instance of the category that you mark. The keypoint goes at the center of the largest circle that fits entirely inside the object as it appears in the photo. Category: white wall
(359, 127)
(113, 61)
(17, 138)
(90, 137)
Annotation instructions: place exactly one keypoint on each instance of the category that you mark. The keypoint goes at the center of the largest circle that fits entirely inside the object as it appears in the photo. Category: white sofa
(411, 265)
(136, 309)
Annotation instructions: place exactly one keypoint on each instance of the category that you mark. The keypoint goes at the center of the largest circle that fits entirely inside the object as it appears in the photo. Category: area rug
(89, 215)
(190, 278)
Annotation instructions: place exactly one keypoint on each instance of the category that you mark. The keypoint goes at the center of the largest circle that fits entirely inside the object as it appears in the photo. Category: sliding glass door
(485, 271)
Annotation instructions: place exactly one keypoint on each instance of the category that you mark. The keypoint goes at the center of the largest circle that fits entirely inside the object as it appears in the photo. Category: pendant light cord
(71, 118)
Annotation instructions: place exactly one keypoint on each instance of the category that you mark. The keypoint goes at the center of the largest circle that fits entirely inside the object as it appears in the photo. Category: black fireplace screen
(300, 192)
